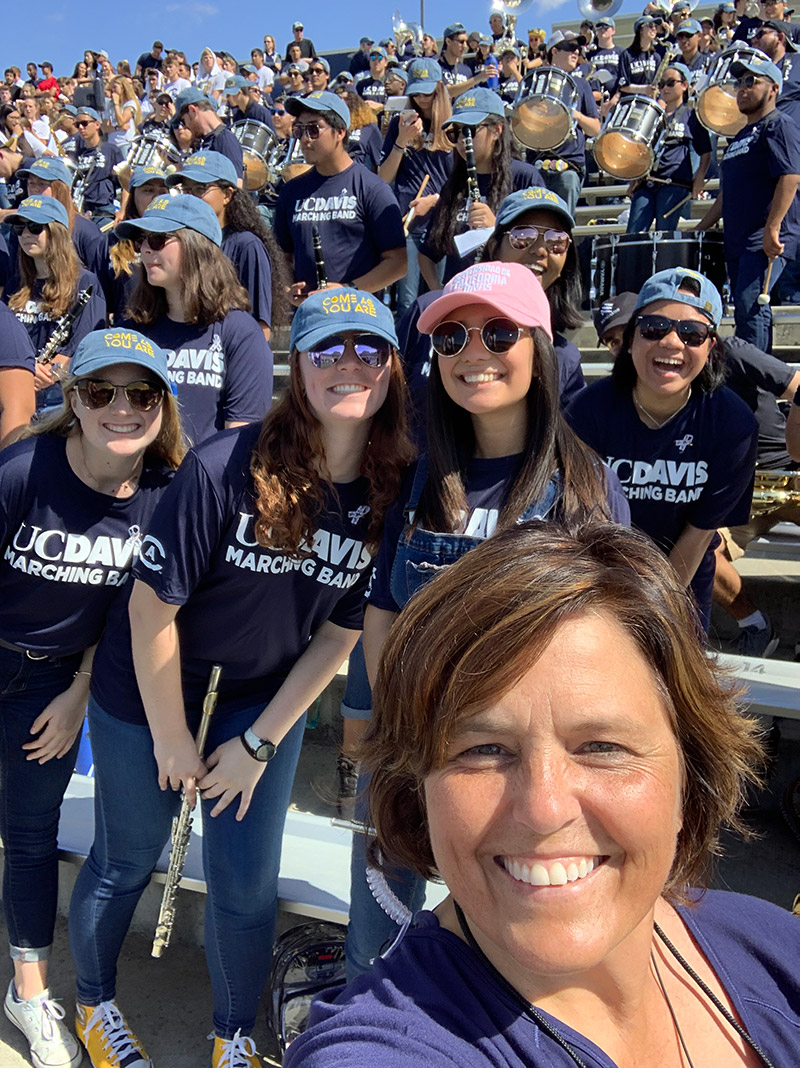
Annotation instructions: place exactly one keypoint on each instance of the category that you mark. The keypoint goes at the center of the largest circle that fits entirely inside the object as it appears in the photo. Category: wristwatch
(258, 748)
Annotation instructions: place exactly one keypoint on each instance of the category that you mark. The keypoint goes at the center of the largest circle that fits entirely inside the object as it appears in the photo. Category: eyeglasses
(83, 123)
(668, 83)
(311, 130)
(456, 130)
(690, 331)
(522, 237)
(155, 242)
(96, 393)
(498, 337)
(747, 81)
(33, 228)
(371, 350)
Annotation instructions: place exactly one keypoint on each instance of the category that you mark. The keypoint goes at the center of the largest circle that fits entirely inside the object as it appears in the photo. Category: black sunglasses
(690, 331)
(372, 350)
(155, 242)
(457, 130)
(667, 83)
(570, 47)
(311, 130)
(498, 336)
(521, 237)
(83, 123)
(95, 393)
(32, 228)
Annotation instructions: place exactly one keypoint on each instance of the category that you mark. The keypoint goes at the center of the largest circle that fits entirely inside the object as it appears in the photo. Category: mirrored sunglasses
(691, 331)
(372, 350)
(522, 237)
(498, 335)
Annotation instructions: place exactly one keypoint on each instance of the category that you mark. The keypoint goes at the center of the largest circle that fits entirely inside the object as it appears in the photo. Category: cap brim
(439, 309)
(472, 118)
(35, 215)
(194, 174)
(131, 227)
(424, 88)
(313, 336)
(542, 206)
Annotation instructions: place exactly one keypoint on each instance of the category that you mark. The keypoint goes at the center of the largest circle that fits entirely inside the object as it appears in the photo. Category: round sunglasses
(372, 350)
(32, 228)
(95, 393)
(522, 237)
(498, 335)
(691, 332)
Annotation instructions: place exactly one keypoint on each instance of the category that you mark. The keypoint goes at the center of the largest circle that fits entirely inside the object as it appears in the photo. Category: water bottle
(493, 81)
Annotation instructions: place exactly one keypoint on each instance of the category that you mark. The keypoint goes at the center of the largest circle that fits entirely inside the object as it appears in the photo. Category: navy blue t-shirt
(224, 141)
(574, 148)
(16, 347)
(98, 165)
(371, 89)
(5, 262)
(759, 379)
(637, 68)
(250, 257)
(223, 372)
(40, 325)
(365, 146)
(486, 484)
(606, 59)
(698, 469)
(432, 1002)
(67, 549)
(255, 112)
(414, 165)
(754, 160)
(683, 131)
(357, 216)
(252, 610)
(454, 73)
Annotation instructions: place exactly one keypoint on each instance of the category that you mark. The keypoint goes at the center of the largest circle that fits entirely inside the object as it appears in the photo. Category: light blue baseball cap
(476, 105)
(40, 209)
(764, 68)
(666, 285)
(423, 75)
(166, 214)
(330, 312)
(236, 83)
(103, 348)
(142, 175)
(206, 166)
(689, 26)
(323, 100)
(49, 169)
(90, 112)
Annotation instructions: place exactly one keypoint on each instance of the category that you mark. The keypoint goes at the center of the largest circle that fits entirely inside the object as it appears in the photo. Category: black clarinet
(473, 189)
(319, 259)
(61, 333)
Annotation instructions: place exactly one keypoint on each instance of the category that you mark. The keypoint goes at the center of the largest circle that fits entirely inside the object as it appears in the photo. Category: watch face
(265, 751)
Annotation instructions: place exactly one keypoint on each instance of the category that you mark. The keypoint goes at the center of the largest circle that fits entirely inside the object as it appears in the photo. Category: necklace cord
(665, 995)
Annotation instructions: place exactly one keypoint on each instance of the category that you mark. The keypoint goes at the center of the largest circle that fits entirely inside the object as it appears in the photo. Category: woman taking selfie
(279, 517)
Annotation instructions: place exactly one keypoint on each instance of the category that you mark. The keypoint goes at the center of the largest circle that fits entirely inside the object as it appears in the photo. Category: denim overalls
(422, 554)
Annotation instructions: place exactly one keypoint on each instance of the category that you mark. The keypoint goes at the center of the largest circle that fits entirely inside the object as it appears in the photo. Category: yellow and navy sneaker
(108, 1039)
(236, 1052)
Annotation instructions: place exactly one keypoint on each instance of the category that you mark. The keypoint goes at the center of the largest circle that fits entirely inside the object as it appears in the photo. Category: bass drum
(621, 263)
(628, 144)
(257, 141)
(542, 115)
(716, 101)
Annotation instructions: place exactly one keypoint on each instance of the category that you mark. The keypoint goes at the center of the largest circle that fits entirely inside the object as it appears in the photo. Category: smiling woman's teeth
(120, 429)
(485, 377)
(668, 361)
(556, 874)
(347, 389)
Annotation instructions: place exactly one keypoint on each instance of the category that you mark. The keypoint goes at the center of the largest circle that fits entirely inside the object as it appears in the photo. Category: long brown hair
(441, 111)
(168, 448)
(64, 271)
(60, 191)
(289, 471)
(211, 288)
(551, 448)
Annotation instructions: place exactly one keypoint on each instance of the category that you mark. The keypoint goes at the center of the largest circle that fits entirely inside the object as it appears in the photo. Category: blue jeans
(567, 184)
(746, 275)
(651, 202)
(30, 801)
(357, 702)
(408, 286)
(133, 818)
(370, 929)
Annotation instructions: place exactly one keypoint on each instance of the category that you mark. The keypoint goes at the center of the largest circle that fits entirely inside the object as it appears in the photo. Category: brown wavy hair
(64, 271)
(211, 288)
(291, 478)
(439, 666)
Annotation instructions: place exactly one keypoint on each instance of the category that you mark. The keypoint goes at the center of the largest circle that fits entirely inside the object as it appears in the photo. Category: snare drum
(716, 102)
(257, 141)
(621, 263)
(148, 150)
(628, 144)
(294, 163)
(542, 116)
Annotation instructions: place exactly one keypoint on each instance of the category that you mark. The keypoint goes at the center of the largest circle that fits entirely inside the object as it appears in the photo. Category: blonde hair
(64, 271)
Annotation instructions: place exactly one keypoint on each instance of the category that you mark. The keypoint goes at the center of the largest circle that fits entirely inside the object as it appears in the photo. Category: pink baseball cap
(507, 288)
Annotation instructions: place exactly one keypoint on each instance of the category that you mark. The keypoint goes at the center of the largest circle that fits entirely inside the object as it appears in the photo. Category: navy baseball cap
(166, 214)
(423, 74)
(90, 112)
(476, 105)
(366, 40)
(644, 20)
(326, 313)
(616, 311)
(536, 196)
(142, 175)
(666, 286)
(689, 26)
(40, 209)
(781, 26)
(319, 101)
(763, 68)
(103, 348)
(206, 166)
(49, 169)
(235, 83)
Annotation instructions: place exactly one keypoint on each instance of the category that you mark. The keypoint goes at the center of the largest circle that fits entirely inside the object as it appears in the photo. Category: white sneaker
(52, 1045)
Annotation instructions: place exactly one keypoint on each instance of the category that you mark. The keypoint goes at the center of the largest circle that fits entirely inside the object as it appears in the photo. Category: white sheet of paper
(471, 240)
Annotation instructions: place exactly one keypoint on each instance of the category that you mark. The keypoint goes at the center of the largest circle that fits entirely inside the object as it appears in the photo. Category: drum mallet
(763, 296)
(678, 205)
(410, 214)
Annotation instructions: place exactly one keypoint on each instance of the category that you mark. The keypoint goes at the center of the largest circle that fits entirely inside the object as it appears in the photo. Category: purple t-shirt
(433, 1003)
